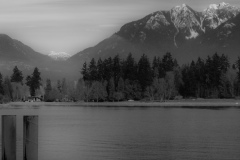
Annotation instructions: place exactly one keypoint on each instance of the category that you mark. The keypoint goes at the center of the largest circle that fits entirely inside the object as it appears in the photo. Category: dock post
(30, 138)
(8, 137)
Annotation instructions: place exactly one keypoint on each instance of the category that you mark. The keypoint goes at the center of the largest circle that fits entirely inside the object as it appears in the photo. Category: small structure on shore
(35, 99)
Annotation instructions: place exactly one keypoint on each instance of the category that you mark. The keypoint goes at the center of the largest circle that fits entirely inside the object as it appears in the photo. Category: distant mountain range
(15, 53)
(186, 33)
(59, 56)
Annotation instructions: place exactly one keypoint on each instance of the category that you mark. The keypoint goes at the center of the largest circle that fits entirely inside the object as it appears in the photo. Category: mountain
(14, 50)
(59, 56)
(15, 53)
(215, 15)
(224, 38)
(184, 32)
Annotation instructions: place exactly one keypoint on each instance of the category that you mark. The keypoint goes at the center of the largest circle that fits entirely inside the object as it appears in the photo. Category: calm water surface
(136, 133)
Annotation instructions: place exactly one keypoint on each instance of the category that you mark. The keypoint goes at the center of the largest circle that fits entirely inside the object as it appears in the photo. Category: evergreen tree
(116, 69)
(168, 62)
(119, 95)
(93, 70)
(161, 70)
(16, 78)
(200, 78)
(155, 67)
(130, 68)
(84, 72)
(111, 89)
(34, 81)
(100, 70)
(155, 63)
(1, 85)
(108, 69)
(17, 75)
(144, 72)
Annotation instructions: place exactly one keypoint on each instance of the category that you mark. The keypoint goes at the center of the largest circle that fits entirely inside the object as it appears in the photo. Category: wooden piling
(30, 138)
(8, 137)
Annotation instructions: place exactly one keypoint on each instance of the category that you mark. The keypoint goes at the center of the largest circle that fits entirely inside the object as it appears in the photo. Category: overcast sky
(73, 25)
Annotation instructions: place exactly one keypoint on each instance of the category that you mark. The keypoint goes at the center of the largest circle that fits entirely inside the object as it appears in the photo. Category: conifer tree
(93, 70)
(116, 69)
(84, 72)
(1, 85)
(108, 69)
(168, 62)
(100, 70)
(34, 81)
(144, 72)
(130, 68)
(17, 75)
(111, 89)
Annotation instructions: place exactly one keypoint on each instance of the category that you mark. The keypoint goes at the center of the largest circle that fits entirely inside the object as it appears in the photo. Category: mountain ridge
(180, 31)
(186, 33)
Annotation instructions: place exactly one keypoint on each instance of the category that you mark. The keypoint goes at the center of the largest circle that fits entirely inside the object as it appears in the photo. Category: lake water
(132, 133)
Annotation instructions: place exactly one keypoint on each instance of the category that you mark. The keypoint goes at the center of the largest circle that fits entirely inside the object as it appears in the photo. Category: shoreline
(172, 103)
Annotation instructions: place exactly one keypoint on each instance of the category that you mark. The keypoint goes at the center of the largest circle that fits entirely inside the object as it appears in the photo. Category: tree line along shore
(120, 80)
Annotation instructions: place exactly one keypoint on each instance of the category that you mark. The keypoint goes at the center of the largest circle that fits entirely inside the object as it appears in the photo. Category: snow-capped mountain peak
(222, 5)
(186, 22)
(213, 6)
(62, 56)
(215, 14)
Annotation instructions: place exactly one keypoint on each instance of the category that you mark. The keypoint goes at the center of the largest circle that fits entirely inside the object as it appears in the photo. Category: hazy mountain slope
(15, 53)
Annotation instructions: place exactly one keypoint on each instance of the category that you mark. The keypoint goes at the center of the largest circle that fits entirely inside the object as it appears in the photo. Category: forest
(116, 79)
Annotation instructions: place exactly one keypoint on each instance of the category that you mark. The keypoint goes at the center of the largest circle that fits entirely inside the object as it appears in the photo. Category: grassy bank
(174, 103)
